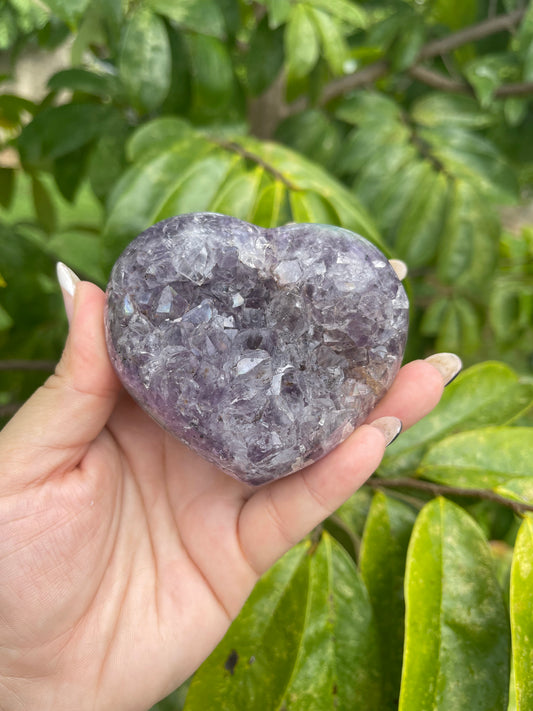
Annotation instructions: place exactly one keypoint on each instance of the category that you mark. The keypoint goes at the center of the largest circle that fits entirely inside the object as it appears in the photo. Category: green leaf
(473, 159)
(334, 47)
(521, 618)
(368, 107)
(302, 47)
(408, 44)
(439, 109)
(143, 190)
(6, 322)
(308, 206)
(103, 85)
(107, 159)
(343, 10)
(157, 136)
(455, 15)
(212, 76)
(69, 11)
(278, 12)
(382, 562)
(81, 250)
(486, 74)
(314, 601)
(238, 196)
(456, 633)
(7, 186)
(145, 60)
(486, 394)
(264, 58)
(313, 134)
(482, 458)
(423, 220)
(69, 172)
(205, 17)
(467, 256)
(198, 185)
(59, 130)
(269, 208)
(44, 207)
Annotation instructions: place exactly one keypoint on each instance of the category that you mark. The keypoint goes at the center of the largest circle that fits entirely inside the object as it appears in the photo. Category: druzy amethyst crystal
(262, 349)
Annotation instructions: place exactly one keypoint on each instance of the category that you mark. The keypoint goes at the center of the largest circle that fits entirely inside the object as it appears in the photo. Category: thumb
(52, 431)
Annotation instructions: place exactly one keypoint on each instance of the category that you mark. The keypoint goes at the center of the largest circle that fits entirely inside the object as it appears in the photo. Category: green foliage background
(409, 121)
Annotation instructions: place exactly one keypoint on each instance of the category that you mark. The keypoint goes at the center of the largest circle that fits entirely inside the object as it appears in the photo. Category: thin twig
(444, 490)
(372, 72)
(443, 83)
(44, 365)
(248, 155)
(482, 29)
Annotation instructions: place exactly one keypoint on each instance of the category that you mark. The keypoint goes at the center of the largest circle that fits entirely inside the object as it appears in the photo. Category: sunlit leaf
(301, 42)
(382, 562)
(456, 654)
(485, 394)
(481, 458)
(521, 618)
(284, 650)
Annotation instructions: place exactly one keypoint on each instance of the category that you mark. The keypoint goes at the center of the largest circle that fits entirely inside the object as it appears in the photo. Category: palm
(123, 555)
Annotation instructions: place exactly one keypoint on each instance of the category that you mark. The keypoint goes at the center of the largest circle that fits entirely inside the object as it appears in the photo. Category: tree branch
(483, 29)
(376, 70)
(443, 83)
(44, 365)
(444, 490)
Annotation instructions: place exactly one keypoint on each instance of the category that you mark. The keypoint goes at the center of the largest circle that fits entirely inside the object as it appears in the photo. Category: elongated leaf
(483, 457)
(205, 17)
(345, 10)
(365, 107)
(68, 10)
(60, 130)
(334, 47)
(239, 195)
(419, 233)
(305, 640)
(521, 617)
(157, 136)
(145, 60)
(315, 135)
(81, 250)
(489, 393)
(77, 79)
(44, 207)
(270, 206)
(212, 76)
(198, 185)
(264, 58)
(439, 109)
(308, 206)
(301, 43)
(7, 186)
(144, 189)
(457, 638)
(382, 562)
(467, 256)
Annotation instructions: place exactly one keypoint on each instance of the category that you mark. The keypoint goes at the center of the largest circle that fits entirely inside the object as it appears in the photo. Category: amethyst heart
(262, 349)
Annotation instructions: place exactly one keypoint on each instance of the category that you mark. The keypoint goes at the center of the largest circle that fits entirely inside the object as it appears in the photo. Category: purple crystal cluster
(262, 349)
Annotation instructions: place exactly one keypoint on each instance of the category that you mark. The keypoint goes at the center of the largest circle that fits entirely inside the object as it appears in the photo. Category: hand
(123, 555)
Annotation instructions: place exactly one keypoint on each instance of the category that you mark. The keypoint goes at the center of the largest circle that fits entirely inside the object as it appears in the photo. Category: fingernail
(390, 427)
(68, 282)
(399, 267)
(449, 365)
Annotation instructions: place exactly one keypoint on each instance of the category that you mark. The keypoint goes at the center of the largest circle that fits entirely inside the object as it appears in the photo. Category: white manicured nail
(399, 267)
(390, 427)
(68, 282)
(449, 365)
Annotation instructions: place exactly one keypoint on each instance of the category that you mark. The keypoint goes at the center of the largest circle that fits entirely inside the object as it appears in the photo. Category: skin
(123, 555)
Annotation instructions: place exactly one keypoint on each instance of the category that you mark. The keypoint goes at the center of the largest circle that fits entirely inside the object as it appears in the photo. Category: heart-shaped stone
(262, 349)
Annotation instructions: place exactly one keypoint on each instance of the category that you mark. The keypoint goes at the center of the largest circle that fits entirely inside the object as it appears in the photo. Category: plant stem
(444, 490)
